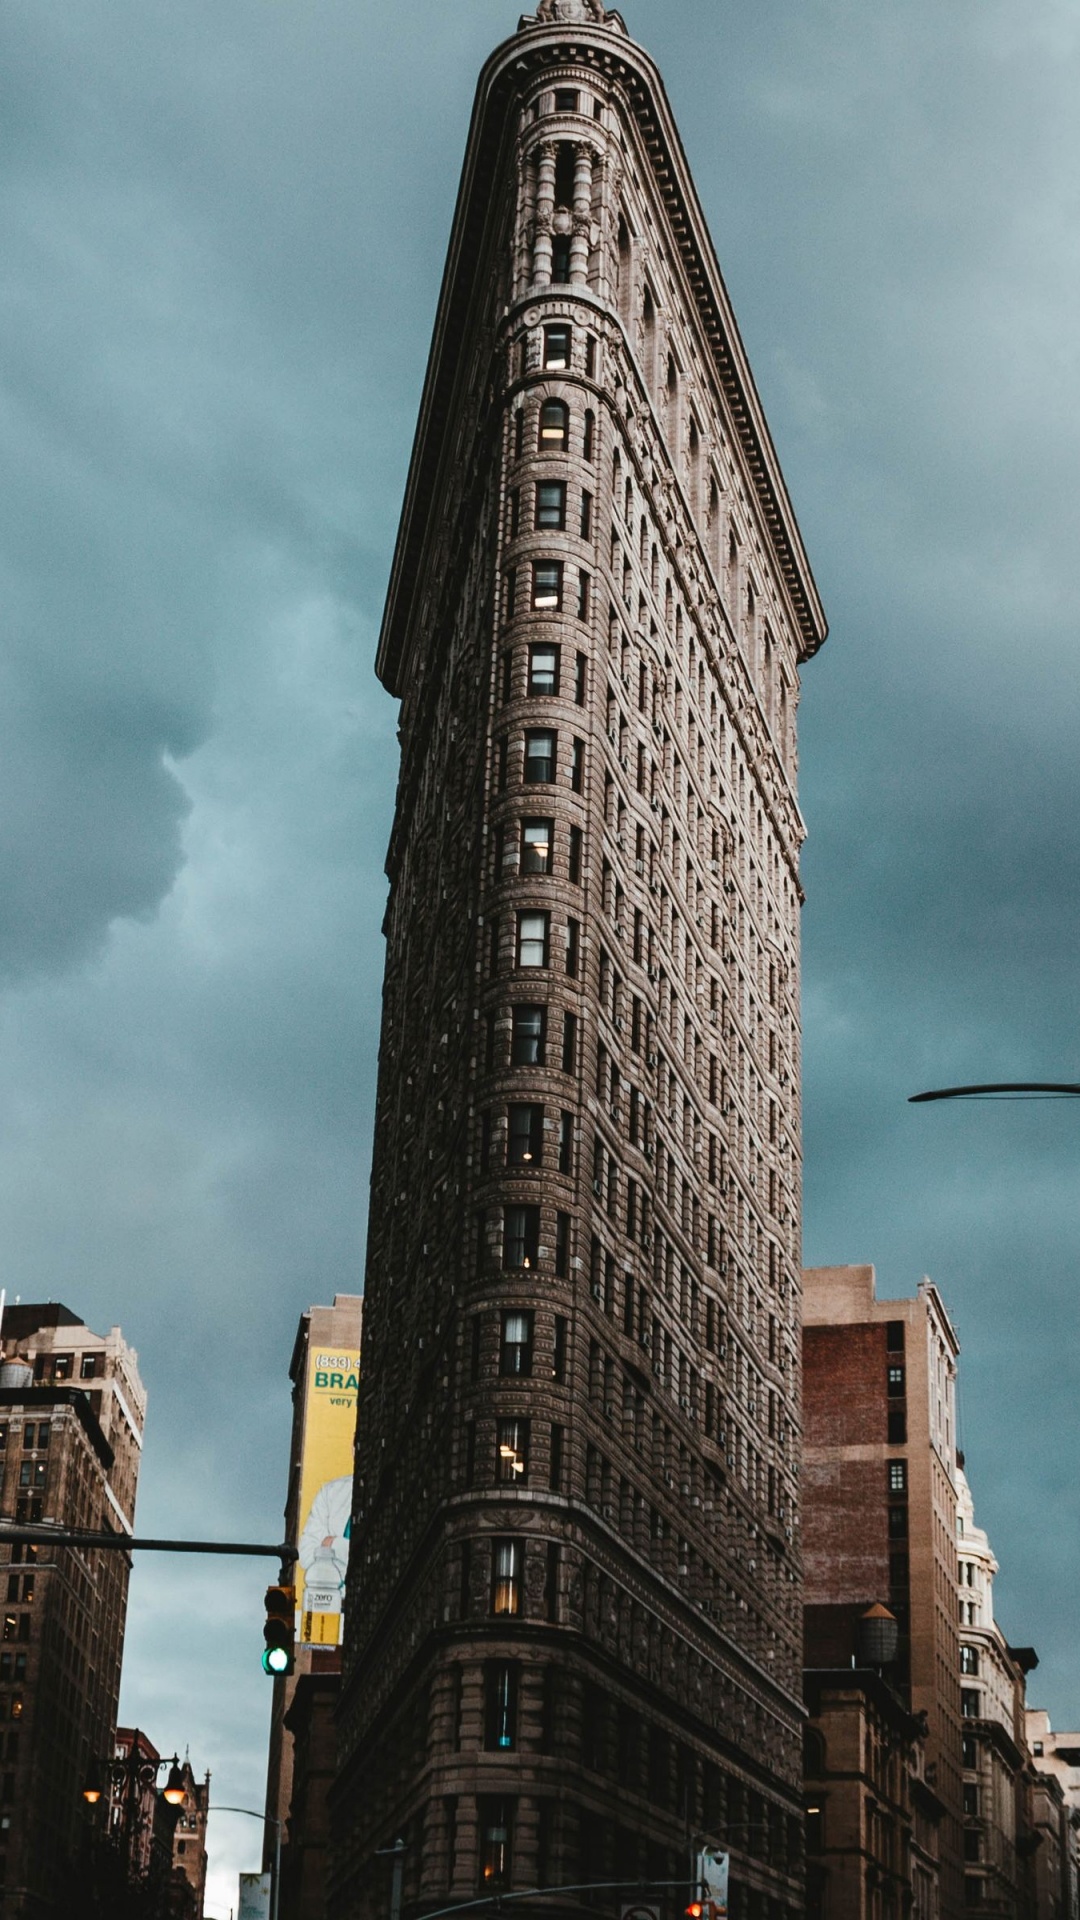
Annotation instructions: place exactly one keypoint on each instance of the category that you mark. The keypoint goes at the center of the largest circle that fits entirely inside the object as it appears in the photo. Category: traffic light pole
(128, 1543)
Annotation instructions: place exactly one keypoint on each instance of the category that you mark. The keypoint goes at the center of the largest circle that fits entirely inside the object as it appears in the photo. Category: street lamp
(1003, 1090)
(130, 1777)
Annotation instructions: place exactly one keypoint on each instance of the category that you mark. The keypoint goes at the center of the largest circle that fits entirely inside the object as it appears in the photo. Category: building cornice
(621, 62)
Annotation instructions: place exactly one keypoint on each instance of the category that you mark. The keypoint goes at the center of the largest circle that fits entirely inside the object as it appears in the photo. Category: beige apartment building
(880, 1508)
(573, 1632)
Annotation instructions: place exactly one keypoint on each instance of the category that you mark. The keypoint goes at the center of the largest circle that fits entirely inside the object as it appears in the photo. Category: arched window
(554, 426)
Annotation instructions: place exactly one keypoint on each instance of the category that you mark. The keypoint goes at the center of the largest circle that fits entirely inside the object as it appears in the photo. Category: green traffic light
(277, 1660)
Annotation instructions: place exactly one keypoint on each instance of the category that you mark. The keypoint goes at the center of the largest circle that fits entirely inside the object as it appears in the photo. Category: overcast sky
(223, 228)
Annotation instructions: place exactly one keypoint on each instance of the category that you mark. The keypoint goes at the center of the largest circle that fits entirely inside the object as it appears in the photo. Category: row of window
(529, 1039)
(532, 942)
(541, 760)
(528, 846)
(34, 1434)
(549, 509)
(512, 1452)
(553, 430)
(544, 672)
(546, 589)
(525, 1144)
(517, 1345)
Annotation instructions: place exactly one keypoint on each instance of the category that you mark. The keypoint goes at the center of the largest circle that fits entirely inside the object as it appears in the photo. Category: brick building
(301, 1759)
(72, 1409)
(573, 1632)
(880, 1496)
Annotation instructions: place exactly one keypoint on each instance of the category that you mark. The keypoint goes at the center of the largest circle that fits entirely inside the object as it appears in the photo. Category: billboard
(254, 1896)
(326, 1476)
(713, 1874)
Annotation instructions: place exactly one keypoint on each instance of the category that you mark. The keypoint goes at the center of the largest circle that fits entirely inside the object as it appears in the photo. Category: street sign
(713, 1873)
(254, 1897)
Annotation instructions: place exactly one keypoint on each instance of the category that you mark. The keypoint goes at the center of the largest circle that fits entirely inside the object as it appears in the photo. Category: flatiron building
(573, 1623)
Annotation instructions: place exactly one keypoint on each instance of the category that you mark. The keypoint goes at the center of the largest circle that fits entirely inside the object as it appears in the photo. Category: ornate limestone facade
(574, 1617)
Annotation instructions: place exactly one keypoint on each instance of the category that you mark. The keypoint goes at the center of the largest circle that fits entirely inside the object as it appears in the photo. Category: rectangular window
(510, 594)
(559, 1350)
(971, 1800)
(566, 100)
(543, 669)
(580, 673)
(525, 1136)
(528, 1036)
(496, 1836)
(562, 1246)
(537, 844)
(507, 686)
(512, 1452)
(573, 863)
(516, 1345)
(506, 1562)
(972, 1843)
(897, 1432)
(896, 1381)
(577, 766)
(586, 515)
(969, 1754)
(556, 1459)
(969, 1660)
(551, 504)
(532, 939)
(583, 594)
(557, 348)
(573, 948)
(547, 586)
(539, 758)
(970, 1703)
(29, 1431)
(590, 339)
(515, 513)
(500, 1706)
(588, 438)
(521, 1237)
(44, 1433)
(897, 1476)
(894, 1336)
(566, 1143)
(560, 259)
(554, 427)
(898, 1523)
(569, 1043)
(63, 1366)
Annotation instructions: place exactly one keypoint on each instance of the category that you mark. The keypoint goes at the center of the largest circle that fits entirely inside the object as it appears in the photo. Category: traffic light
(279, 1631)
(695, 1910)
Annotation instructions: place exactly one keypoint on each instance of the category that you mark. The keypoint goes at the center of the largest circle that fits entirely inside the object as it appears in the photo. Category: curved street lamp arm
(1049, 1088)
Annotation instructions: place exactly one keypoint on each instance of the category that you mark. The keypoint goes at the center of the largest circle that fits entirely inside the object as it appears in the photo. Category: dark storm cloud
(223, 229)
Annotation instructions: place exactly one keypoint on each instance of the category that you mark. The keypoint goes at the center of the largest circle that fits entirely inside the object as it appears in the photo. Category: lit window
(1037, 1750)
(495, 1839)
(557, 348)
(528, 1034)
(537, 842)
(532, 939)
(896, 1380)
(506, 1580)
(521, 1237)
(551, 504)
(547, 586)
(539, 758)
(62, 1366)
(512, 1452)
(515, 1352)
(500, 1704)
(554, 426)
(544, 669)
(897, 1476)
(525, 1136)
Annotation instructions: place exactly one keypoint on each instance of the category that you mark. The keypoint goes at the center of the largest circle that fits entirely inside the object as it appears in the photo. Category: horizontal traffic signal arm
(128, 1543)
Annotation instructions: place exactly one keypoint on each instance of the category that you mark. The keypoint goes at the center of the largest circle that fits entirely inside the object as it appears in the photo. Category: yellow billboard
(326, 1481)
